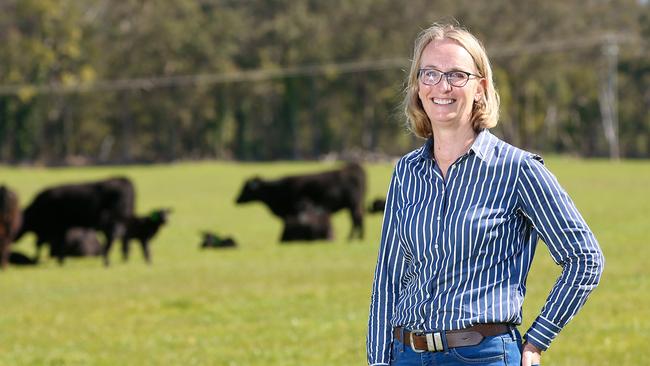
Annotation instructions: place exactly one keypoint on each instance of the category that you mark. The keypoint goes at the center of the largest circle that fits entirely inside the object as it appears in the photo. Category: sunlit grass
(270, 304)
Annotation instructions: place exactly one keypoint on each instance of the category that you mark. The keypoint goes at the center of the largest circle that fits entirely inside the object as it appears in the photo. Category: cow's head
(160, 215)
(209, 239)
(250, 191)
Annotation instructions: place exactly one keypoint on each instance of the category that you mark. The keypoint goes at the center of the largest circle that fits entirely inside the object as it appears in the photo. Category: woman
(463, 215)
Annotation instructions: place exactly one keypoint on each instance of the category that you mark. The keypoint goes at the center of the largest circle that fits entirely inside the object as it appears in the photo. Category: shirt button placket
(441, 186)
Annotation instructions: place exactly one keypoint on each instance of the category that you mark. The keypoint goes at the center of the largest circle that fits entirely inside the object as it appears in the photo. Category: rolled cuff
(541, 333)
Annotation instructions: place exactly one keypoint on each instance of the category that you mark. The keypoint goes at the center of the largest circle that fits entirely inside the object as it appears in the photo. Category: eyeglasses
(454, 78)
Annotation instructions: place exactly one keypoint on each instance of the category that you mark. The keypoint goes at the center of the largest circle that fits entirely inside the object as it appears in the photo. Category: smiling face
(449, 106)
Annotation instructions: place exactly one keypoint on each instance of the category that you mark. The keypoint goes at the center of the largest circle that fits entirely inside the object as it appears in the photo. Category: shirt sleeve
(386, 284)
(571, 243)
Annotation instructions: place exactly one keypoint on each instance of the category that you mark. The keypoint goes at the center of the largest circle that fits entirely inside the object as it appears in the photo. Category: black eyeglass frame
(447, 75)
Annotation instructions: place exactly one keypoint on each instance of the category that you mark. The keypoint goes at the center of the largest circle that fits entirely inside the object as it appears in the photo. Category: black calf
(143, 229)
(211, 240)
(311, 223)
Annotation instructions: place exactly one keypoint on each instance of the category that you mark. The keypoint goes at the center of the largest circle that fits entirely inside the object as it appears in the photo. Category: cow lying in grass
(212, 240)
(311, 223)
(20, 259)
(82, 242)
(377, 206)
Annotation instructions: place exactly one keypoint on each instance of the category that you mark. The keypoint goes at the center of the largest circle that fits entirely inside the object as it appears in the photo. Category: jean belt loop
(445, 346)
(513, 332)
(403, 330)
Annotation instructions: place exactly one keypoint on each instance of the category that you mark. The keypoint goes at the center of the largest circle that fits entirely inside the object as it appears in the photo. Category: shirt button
(436, 246)
(438, 218)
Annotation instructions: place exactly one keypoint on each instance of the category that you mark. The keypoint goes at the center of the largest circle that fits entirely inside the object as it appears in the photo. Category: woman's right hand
(531, 355)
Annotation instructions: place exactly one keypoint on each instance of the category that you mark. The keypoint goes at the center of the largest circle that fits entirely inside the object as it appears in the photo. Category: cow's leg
(125, 249)
(285, 230)
(145, 251)
(107, 247)
(357, 224)
(330, 234)
(39, 244)
(360, 226)
(4, 247)
(57, 248)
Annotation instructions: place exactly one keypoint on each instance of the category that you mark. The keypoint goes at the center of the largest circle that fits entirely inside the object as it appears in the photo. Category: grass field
(299, 304)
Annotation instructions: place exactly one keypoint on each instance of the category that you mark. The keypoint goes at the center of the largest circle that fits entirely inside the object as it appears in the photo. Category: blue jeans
(504, 349)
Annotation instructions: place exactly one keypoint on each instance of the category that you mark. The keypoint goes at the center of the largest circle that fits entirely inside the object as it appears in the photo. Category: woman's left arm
(570, 242)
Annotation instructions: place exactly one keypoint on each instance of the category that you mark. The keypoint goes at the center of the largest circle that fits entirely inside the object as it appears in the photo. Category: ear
(480, 90)
(154, 216)
(255, 182)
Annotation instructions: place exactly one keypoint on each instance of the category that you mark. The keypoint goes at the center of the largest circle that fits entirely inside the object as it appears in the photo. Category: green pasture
(270, 304)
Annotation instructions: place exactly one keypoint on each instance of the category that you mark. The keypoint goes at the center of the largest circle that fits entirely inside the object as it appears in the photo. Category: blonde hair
(485, 112)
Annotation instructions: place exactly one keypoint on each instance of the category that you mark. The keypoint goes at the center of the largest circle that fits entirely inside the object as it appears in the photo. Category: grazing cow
(143, 229)
(104, 205)
(333, 190)
(82, 242)
(311, 223)
(211, 240)
(377, 206)
(10, 221)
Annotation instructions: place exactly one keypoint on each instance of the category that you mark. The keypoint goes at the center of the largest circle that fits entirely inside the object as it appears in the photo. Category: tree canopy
(99, 81)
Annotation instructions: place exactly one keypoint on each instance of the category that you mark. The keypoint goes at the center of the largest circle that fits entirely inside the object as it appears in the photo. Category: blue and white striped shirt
(456, 252)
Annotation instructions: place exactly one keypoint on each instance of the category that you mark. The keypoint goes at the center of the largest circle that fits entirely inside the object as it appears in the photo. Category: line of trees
(57, 56)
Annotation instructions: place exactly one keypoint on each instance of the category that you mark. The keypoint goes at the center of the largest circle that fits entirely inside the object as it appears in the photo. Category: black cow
(311, 223)
(104, 205)
(377, 206)
(20, 259)
(143, 229)
(333, 190)
(82, 242)
(10, 221)
(212, 240)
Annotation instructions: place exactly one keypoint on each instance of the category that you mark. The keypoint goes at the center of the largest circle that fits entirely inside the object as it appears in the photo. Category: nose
(443, 84)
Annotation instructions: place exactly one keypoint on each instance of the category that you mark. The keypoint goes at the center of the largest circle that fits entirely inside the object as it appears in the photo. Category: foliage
(74, 81)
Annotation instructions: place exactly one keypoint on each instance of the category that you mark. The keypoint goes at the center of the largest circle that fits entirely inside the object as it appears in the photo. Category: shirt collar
(425, 151)
(483, 146)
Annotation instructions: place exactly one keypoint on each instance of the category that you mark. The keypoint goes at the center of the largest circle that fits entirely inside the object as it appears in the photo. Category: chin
(444, 120)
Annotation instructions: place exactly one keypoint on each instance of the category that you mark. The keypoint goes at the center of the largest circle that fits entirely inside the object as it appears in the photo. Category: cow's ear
(255, 182)
(155, 216)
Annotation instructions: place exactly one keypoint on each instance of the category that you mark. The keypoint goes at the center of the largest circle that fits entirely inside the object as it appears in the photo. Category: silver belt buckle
(418, 333)
(434, 341)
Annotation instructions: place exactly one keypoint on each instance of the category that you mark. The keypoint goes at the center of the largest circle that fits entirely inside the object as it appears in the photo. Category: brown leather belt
(421, 342)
